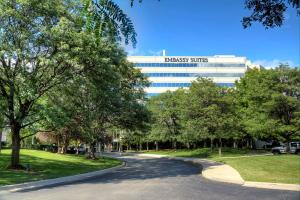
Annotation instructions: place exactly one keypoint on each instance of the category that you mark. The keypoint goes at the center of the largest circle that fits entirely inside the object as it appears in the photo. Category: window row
(189, 65)
(186, 84)
(194, 74)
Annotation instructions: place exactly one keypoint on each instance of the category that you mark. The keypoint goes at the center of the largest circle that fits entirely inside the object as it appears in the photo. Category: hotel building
(173, 72)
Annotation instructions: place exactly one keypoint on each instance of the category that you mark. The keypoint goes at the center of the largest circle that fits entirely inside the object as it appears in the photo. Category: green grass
(206, 152)
(276, 169)
(47, 165)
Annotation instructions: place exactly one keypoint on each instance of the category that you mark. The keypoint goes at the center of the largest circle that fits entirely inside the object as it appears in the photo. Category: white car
(291, 147)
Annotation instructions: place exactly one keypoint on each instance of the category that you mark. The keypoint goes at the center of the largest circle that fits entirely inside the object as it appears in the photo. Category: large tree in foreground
(41, 44)
(36, 46)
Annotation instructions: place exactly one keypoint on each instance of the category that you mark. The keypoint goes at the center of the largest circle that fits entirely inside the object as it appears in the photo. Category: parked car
(279, 149)
(294, 147)
(291, 147)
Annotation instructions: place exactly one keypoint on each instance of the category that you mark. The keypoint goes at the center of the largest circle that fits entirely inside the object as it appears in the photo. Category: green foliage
(61, 70)
(268, 12)
(166, 116)
(264, 105)
(107, 20)
(268, 103)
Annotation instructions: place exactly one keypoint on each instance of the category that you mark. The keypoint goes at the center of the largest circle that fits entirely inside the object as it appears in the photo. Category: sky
(210, 27)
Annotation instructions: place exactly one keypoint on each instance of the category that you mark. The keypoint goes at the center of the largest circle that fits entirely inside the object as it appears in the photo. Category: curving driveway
(153, 179)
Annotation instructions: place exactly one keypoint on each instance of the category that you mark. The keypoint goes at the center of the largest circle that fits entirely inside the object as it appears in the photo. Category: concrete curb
(50, 182)
(224, 173)
(210, 169)
(273, 186)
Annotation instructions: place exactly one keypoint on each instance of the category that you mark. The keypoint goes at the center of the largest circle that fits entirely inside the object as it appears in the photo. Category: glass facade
(170, 73)
(194, 74)
(189, 65)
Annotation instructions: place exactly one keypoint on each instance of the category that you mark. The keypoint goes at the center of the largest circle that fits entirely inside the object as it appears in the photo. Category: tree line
(264, 105)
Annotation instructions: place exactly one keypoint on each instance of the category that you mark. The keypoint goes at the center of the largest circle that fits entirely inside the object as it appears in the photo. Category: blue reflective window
(170, 84)
(189, 65)
(186, 84)
(194, 74)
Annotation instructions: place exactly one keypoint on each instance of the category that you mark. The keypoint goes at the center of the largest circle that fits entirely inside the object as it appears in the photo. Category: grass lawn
(206, 152)
(47, 165)
(277, 169)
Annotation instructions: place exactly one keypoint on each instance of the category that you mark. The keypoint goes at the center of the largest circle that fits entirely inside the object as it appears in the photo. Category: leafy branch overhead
(268, 12)
(107, 20)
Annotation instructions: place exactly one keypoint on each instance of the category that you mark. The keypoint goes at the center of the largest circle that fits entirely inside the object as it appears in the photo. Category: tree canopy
(54, 48)
(264, 105)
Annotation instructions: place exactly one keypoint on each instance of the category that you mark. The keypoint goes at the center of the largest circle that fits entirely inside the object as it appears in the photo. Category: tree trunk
(174, 145)
(156, 146)
(141, 147)
(64, 148)
(204, 144)
(234, 144)
(147, 146)
(220, 147)
(0, 140)
(120, 147)
(188, 145)
(194, 145)
(16, 144)
(211, 144)
(92, 151)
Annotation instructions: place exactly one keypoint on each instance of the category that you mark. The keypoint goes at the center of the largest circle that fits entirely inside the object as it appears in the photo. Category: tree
(36, 43)
(41, 44)
(268, 103)
(166, 116)
(208, 111)
(268, 12)
(108, 94)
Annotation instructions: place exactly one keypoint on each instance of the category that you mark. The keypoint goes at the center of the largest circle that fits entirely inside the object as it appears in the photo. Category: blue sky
(211, 27)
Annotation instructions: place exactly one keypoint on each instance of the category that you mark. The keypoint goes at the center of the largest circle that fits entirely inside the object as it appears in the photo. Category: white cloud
(156, 53)
(268, 64)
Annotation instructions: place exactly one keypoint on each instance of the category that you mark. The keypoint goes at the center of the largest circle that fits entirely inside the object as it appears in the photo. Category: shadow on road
(137, 169)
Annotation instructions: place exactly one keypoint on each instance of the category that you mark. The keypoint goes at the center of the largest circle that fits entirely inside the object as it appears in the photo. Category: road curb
(61, 180)
(211, 170)
(273, 186)
(215, 171)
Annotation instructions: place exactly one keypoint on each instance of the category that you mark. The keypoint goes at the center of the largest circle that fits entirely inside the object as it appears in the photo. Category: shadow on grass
(46, 168)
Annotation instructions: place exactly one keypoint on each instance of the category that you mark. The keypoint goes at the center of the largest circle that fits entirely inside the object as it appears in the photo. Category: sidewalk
(224, 173)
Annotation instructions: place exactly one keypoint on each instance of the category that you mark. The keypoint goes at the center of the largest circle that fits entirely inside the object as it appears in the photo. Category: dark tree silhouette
(268, 12)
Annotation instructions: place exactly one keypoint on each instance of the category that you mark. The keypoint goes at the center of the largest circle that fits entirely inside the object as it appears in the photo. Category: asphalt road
(153, 179)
